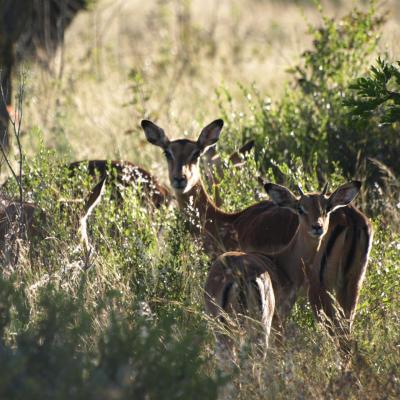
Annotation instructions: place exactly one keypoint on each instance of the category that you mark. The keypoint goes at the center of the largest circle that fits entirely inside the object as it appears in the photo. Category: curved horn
(300, 190)
(325, 189)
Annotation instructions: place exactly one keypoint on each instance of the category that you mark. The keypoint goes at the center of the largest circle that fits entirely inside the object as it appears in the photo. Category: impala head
(314, 209)
(183, 154)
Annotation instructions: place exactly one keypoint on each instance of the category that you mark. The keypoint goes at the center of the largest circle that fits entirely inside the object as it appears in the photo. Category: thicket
(311, 126)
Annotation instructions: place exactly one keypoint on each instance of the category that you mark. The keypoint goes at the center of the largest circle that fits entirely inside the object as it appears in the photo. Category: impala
(339, 267)
(24, 220)
(219, 230)
(276, 228)
(123, 174)
(214, 169)
(246, 285)
(331, 246)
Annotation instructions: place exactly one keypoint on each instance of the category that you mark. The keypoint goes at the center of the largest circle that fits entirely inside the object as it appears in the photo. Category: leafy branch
(378, 93)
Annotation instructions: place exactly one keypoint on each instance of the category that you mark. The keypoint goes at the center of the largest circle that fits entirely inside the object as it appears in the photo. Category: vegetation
(127, 320)
(379, 92)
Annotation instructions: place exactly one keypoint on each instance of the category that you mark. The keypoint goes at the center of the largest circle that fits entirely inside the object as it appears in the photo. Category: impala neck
(198, 199)
(299, 255)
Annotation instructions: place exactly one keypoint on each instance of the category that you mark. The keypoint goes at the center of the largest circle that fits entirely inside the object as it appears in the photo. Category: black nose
(318, 229)
(180, 182)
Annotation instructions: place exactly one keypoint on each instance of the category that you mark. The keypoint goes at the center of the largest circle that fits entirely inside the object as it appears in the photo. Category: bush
(310, 123)
(60, 346)
(378, 95)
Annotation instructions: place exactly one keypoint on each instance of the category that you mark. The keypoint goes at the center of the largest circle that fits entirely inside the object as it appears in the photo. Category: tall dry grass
(179, 53)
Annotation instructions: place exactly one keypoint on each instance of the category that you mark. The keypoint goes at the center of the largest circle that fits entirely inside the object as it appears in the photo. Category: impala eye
(301, 210)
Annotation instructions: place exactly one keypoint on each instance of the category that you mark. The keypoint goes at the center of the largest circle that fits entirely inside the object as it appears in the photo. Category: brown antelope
(219, 230)
(246, 285)
(24, 220)
(123, 174)
(320, 246)
(339, 267)
(281, 232)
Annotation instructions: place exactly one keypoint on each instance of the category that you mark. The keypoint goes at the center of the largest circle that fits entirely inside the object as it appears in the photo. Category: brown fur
(126, 174)
(340, 265)
(289, 238)
(334, 262)
(219, 230)
(239, 285)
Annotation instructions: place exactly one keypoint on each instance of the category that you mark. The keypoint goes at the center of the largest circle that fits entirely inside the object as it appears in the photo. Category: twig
(16, 124)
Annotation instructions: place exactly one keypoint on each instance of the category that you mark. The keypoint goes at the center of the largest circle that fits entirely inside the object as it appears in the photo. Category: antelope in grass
(285, 272)
(339, 267)
(274, 228)
(247, 287)
(120, 175)
(219, 230)
(331, 246)
(123, 174)
(24, 220)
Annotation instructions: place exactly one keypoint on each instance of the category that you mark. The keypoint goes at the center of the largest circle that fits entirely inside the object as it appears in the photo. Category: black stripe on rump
(336, 232)
(352, 252)
(257, 290)
(225, 295)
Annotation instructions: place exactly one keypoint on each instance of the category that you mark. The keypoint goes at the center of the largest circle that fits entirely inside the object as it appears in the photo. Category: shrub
(378, 95)
(310, 122)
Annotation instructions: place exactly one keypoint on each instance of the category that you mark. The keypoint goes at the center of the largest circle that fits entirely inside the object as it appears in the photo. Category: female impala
(123, 174)
(218, 229)
(267, 229)
(214, 167)
(293, 263)
(339, 267)
(247, 287)
(320, 246)
(239, 285)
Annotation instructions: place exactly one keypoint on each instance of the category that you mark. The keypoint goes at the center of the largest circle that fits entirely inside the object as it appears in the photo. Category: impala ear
(245, 149)
(280, 195)
(154, 134)
(210, 134)
(237, 158)
(343, 195)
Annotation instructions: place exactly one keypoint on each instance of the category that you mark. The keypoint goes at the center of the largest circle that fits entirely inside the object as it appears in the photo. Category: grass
(128, 321)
